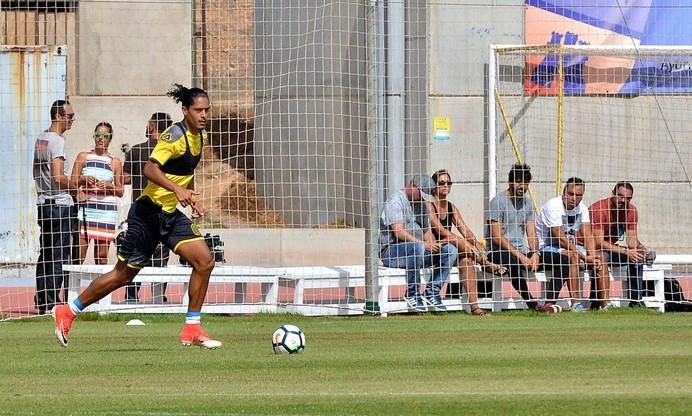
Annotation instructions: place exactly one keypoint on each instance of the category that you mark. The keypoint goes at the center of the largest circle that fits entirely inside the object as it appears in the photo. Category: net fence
(322, 111)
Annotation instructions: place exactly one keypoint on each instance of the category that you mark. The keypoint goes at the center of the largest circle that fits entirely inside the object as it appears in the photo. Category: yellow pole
(517, 153)
(560, 94)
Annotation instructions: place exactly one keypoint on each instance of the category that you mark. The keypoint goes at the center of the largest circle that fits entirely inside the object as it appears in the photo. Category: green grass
(617, 362)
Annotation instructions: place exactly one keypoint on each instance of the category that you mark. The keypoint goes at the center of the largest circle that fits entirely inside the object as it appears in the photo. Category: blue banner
(610, 22)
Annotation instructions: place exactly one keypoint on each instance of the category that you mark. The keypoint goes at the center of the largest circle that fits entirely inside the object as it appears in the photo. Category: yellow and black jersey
(177, 152)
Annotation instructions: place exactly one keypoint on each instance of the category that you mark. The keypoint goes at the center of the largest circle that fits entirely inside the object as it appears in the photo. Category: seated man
(511, 232)
(614, 218)
(407, 242)
(558, 225)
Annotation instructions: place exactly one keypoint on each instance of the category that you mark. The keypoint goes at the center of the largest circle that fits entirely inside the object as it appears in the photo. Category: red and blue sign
(631, 23)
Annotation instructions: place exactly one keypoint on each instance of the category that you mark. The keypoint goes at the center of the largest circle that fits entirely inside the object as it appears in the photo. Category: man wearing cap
(406, 242)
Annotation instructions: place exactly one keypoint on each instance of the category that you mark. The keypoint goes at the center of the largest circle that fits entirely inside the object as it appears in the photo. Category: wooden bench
(238, 275)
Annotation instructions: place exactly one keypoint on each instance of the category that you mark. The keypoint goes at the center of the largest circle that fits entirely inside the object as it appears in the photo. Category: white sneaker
(578, 307)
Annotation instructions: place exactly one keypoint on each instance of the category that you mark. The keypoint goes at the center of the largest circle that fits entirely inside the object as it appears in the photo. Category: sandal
(496, 269)
(476, 311)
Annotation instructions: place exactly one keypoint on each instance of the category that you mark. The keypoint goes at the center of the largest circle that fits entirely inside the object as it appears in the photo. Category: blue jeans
(634, 275)
(56, 224)
(413, 257)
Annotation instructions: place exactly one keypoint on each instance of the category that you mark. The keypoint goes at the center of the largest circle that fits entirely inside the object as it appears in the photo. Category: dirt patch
(230, 197)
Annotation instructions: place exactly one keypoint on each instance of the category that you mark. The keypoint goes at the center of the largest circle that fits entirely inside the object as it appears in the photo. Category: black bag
(674, 295)
(215, 246)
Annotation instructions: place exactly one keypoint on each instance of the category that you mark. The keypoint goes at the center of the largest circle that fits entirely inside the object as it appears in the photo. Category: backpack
(674, 295)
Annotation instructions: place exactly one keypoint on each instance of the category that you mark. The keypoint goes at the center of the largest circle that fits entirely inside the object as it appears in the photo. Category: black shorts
(147, 225)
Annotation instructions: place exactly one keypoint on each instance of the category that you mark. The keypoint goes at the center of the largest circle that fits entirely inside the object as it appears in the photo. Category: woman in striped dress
(100, 179)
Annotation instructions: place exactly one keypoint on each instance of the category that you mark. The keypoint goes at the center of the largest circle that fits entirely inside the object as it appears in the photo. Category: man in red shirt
(611, 219)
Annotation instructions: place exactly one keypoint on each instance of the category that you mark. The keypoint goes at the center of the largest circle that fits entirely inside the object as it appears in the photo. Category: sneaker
(578, 307)
(549, 308)
(63, 317)
(546, 308)
(435, 303)
(415, 304)
(195, 335)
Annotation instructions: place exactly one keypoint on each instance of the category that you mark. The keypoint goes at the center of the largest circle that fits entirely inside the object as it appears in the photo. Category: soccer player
(154, 218)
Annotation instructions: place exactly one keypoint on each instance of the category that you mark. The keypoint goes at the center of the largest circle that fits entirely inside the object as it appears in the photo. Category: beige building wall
(133, 47)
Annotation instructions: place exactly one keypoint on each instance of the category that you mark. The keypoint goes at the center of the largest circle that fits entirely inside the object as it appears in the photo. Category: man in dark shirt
(135, 160)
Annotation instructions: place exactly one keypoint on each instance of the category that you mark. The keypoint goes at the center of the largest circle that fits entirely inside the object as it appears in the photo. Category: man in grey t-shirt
(511, 232)
(406, 241)
(55, 213)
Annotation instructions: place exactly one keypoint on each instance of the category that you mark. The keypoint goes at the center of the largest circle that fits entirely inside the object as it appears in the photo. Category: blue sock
(193, 318)
(76, 306)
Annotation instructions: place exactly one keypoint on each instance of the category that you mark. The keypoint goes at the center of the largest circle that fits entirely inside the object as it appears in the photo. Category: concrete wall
(133, 48)
(310, 125)
(459, 37)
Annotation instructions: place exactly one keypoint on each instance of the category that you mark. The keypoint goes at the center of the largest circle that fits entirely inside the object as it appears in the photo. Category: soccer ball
(288, 339)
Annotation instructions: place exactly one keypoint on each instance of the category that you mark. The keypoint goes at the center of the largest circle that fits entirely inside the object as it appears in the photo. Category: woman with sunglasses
(444, 217)
(100, 178)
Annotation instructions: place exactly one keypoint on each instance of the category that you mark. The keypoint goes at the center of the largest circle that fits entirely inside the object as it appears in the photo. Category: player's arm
(152, 171)
(197, 205)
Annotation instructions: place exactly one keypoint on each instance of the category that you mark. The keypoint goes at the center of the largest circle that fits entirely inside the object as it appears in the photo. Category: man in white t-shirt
(562, 224)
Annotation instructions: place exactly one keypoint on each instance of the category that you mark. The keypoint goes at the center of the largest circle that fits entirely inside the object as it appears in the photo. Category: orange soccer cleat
(63, 317)
(193, 334)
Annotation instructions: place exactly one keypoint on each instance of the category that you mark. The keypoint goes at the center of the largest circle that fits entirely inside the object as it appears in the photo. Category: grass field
(616, 362)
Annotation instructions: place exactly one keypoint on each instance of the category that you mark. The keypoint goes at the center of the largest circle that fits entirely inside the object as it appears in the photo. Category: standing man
(154, 218)
(55, 212)
(614, 218)
(558, 226)
(407, 242)
(135, 160)
(511, 232)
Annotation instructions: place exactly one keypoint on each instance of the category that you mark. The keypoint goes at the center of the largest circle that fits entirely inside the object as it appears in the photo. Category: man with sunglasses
(614, 224)
(55, 206)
